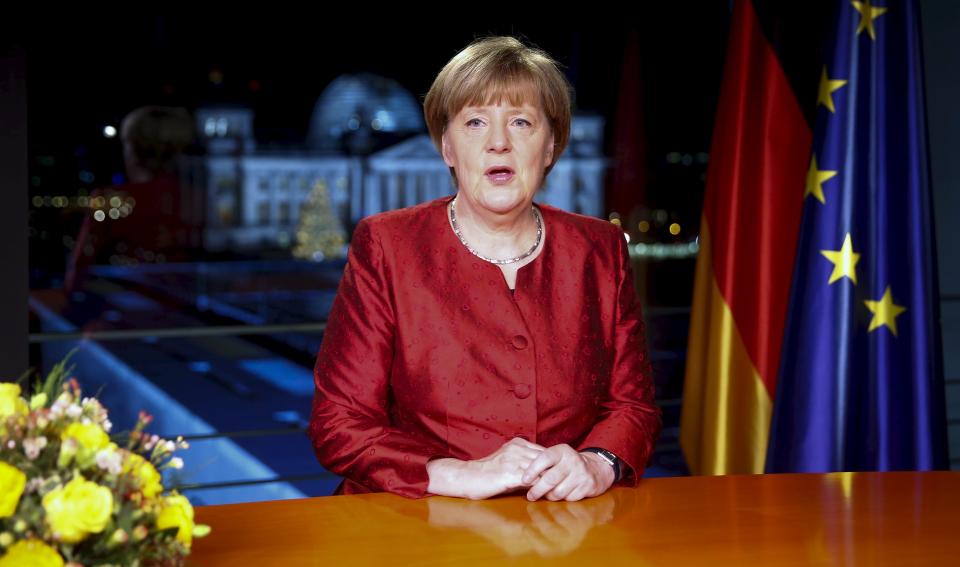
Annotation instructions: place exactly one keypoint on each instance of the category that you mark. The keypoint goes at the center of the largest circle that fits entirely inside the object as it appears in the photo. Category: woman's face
(499, 153)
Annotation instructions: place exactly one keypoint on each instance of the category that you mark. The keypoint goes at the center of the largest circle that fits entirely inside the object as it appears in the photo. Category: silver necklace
(456, 229)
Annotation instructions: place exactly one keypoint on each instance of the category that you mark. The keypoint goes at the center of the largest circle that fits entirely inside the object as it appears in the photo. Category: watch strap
(607, 456)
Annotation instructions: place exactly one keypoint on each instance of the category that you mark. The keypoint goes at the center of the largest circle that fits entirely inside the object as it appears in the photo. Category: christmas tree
(320, 234)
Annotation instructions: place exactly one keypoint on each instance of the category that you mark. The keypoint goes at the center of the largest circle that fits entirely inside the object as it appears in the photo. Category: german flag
(760, 154)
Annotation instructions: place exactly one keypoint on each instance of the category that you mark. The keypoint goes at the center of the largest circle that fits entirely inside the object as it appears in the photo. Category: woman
(480, 344)
(153, 229)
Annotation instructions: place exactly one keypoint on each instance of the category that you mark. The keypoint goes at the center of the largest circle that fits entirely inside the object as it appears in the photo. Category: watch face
(605, 455)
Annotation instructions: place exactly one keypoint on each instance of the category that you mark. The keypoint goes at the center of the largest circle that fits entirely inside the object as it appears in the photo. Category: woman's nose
(499, 140)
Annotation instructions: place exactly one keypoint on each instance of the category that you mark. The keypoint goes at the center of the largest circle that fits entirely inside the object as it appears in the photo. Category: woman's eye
(474, 122)
(523, 122)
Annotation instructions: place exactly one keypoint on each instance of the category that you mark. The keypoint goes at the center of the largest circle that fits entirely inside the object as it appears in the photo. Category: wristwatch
(607, 456)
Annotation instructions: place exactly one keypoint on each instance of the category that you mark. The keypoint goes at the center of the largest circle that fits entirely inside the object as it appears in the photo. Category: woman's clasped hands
(555, 473)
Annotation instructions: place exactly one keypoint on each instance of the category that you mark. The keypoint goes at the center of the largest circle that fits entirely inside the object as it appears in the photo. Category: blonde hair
(156, 135)
(494, 69)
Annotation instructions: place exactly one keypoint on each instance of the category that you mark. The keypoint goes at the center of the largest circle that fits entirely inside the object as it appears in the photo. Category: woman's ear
(551, 147)
(446, 150)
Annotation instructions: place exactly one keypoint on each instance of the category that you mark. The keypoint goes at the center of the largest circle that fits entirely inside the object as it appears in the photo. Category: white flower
(33, 445)
(110, 460)
(59, 406)
(176, 463)
(11, 444)
(95, 409)
(170, 446)
(107, 425)
(74, 411)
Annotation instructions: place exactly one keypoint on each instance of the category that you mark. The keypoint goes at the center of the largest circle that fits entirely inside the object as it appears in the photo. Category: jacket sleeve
(629, 420)
(350, 425)
(79, 262)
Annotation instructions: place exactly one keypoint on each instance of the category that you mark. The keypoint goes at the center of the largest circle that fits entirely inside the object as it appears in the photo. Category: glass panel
(192, 197)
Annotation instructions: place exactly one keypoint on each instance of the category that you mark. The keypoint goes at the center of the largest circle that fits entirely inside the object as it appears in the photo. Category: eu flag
(860, 385)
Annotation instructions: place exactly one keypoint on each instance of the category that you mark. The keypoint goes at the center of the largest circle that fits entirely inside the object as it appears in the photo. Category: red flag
(755, 182)
(628, 186)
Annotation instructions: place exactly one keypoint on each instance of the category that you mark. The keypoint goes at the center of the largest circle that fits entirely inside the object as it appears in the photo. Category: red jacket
(426, 353)
(154, 232)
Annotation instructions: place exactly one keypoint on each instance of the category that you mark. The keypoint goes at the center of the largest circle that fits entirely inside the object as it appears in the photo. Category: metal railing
(178, 332)
(663, 447)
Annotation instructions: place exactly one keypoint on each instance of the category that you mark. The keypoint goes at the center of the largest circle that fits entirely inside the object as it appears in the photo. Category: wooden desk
(755, 521)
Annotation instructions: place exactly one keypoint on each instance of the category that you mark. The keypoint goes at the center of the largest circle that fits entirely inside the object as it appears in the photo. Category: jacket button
(520, 342)
(521, 391)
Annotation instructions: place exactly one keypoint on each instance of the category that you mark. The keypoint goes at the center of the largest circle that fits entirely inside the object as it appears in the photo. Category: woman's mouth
(499, 175)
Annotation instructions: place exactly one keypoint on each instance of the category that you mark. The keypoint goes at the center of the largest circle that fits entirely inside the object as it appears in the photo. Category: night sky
(84, 74)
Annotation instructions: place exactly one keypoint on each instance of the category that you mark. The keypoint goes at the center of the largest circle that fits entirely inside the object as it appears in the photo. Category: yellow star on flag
(885, 312)
(815, 179)
(868, 13)
(844, 261)
(827, 86)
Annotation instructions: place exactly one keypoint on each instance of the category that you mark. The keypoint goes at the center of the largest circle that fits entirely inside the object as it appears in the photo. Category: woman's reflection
(548, 529)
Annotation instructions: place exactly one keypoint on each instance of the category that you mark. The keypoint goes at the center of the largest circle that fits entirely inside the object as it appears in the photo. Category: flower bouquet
(72, 495)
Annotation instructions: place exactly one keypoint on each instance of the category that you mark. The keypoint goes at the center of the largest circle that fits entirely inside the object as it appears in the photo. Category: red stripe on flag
(758, 161)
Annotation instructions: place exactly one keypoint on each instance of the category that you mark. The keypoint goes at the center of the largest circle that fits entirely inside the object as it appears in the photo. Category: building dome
(358, 113)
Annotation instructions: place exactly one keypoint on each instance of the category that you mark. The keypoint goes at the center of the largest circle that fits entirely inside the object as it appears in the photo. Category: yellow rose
(145, 473)
(31, 553)
(12, 481)
(38, 400)
(87, 439)
(177, 513)
(90, 436)
(78, 509)
(10, 401)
